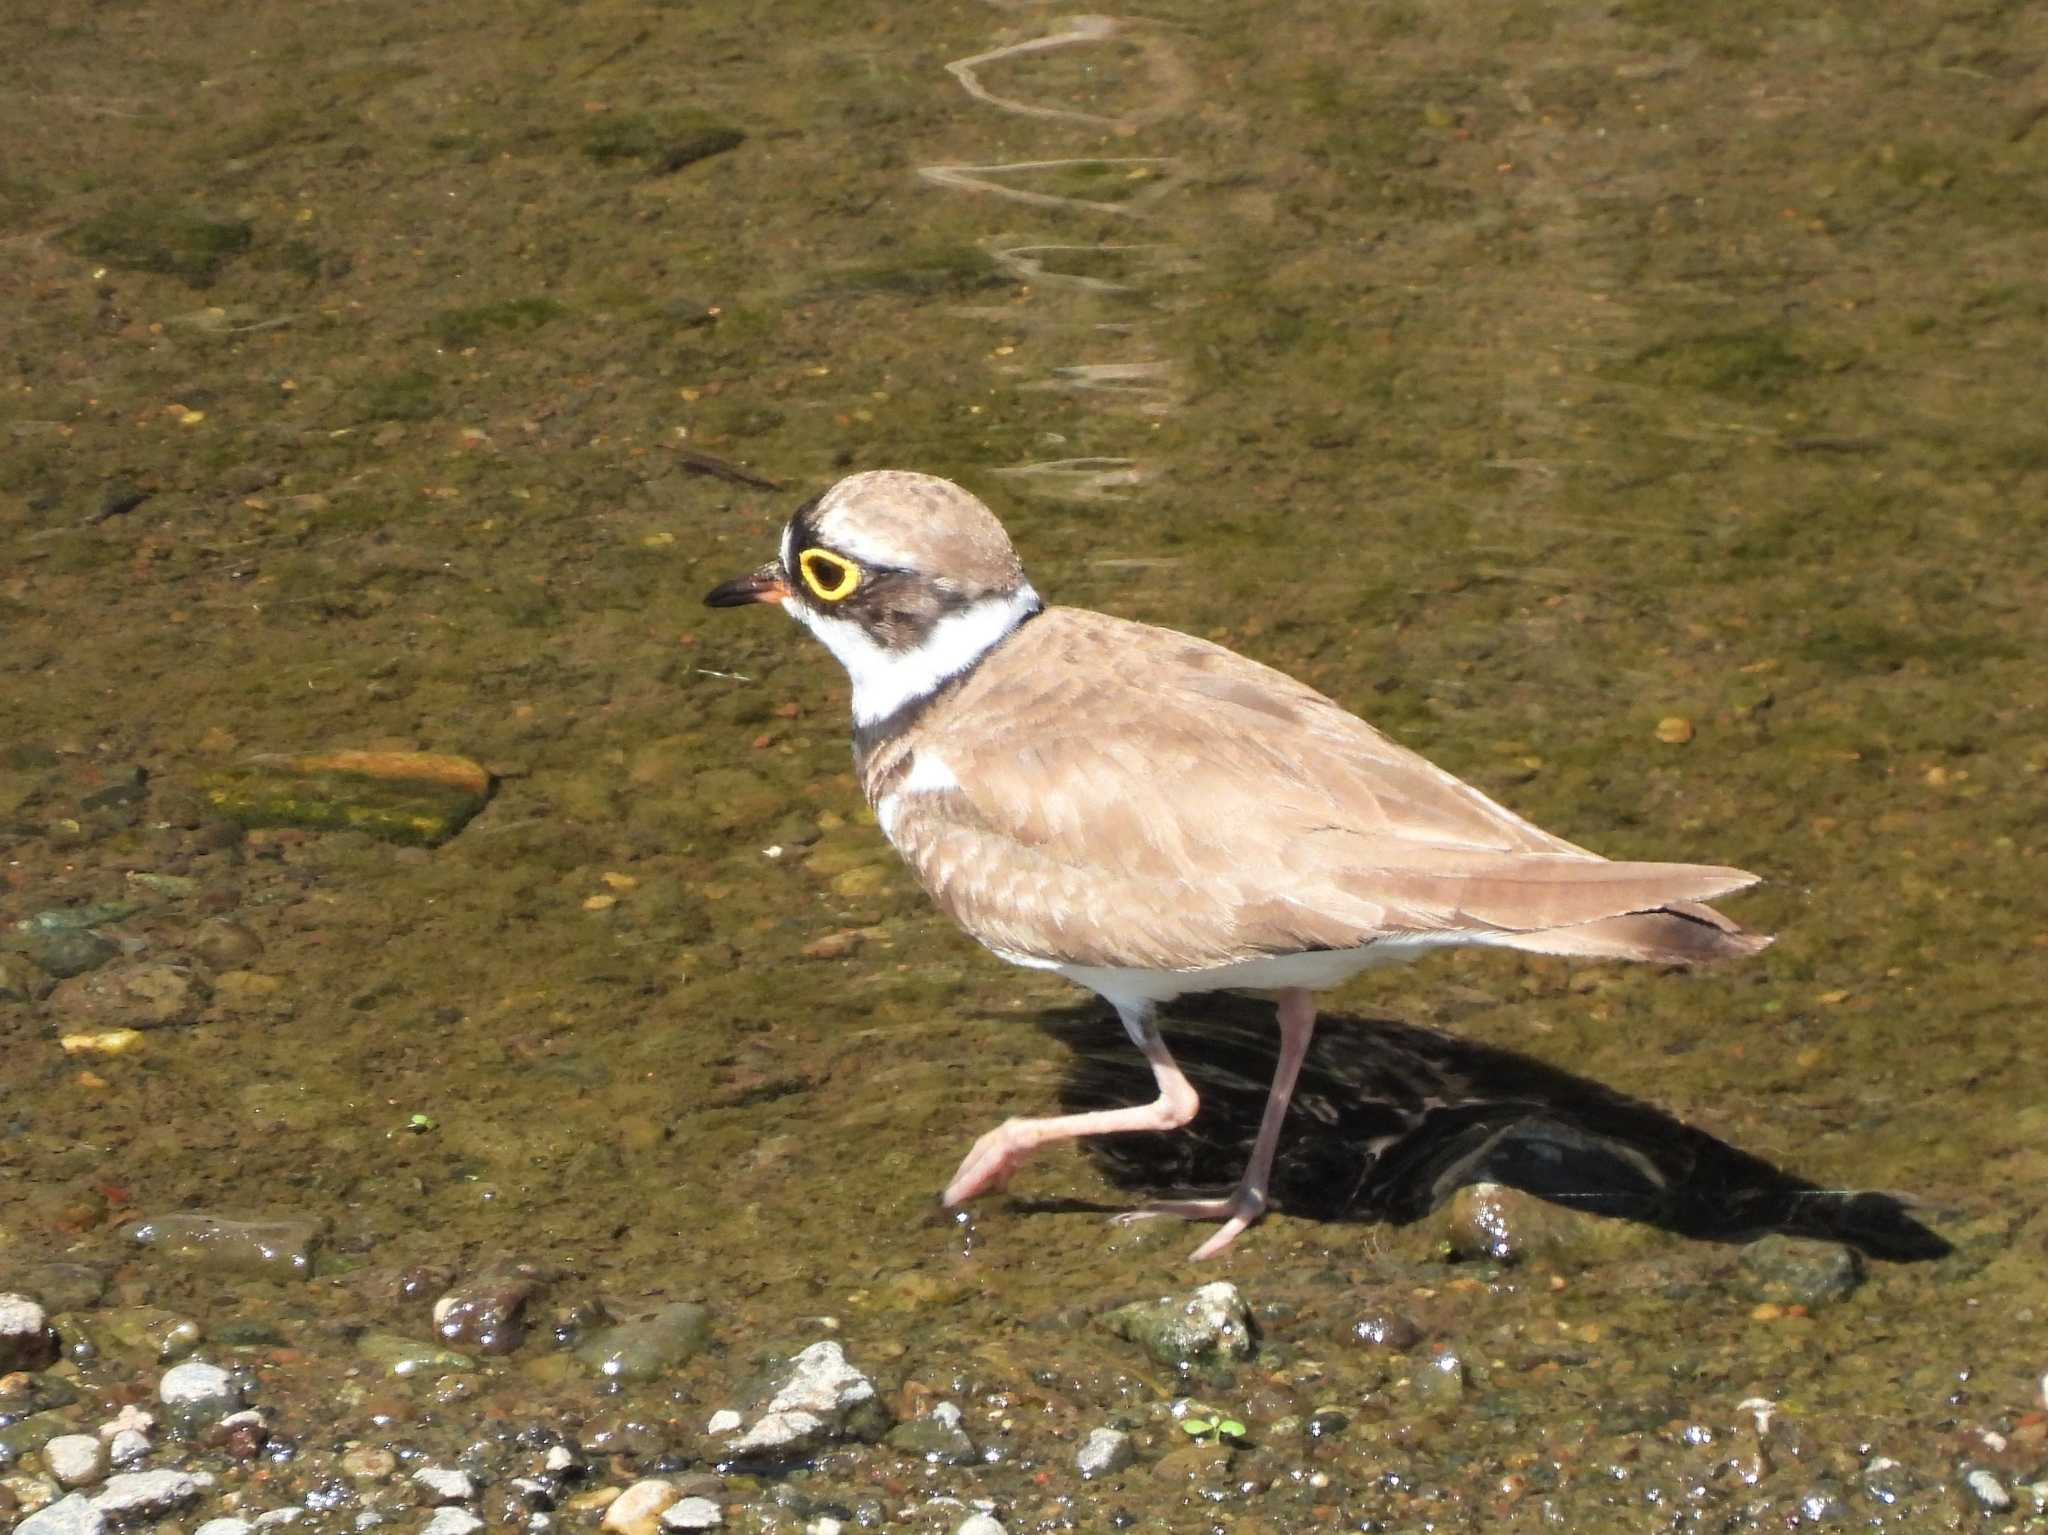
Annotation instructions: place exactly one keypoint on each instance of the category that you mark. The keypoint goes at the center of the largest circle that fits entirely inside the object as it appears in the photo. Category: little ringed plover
(1149, 814)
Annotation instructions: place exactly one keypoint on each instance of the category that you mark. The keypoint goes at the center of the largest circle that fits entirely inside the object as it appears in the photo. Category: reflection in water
(1390, 1119)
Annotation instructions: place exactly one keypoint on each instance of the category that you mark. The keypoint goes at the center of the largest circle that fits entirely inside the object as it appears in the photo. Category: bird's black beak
(764, 585)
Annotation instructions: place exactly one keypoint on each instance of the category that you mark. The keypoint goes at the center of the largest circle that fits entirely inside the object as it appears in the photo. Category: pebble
(26, 1342)
(134, 1495)
(367, 1463)
(1203, 1330)
(1438, 1384)
(1492, 1221)
(76, 1460)
(692, 1514)
(1989, 1492)
(638, 1510)
(133, 994)
(648, 1347)
(197, 1394)
(228, 1526)
(1796, 1271)
(487, 1313)
(72, 1515)
(1388, 1330)
(560, 1458)
(723, 1421)
(817, 1397)
(280, 1248)
(1105, 1450)
(452, 1521)
(130, 1419)
(935, 1438)
(407, 1357)
(447, 1485)
(127, 1447)
(980, 1524)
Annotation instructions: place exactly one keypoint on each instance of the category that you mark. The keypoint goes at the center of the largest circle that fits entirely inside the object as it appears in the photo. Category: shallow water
(1524, 376)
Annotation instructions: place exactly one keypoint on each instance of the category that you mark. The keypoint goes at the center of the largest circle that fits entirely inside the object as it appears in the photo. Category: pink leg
(1239, 1209)
(996, 1155)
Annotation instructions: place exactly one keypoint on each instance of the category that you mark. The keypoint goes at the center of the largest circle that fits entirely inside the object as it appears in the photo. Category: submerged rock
(399, 1355)
(279, 1248)
(1104, 1451)
(138, 1495)
(638, 1510)
(647, 1347)
(1493, 1221)
(814, 1399)
(76, 1460)
(486, 1312)
(421, 798)
(937, 1437)
(74, 1515)
(132, 994)
(197, 1395)
(1204, 1331)
(1795, 1271)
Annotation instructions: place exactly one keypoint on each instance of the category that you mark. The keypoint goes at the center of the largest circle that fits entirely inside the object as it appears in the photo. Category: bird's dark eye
(831, 577)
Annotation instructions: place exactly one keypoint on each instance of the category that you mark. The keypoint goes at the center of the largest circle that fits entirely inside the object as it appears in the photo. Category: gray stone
(26, 1342)
(138, 1495)
(445, 1484)
(67, 1516)
(225, 1527)
(1104, 1451)
(980, 1524)
(1798, 1272)
(279, 1248)
(692, 1514)
(126, 1446)
(196, 1395)
(76, 1460)
(452, 1521)
(278, 1517)
(1204, 1332)
(936, 1438)
(816, 1398)
(648, 1347)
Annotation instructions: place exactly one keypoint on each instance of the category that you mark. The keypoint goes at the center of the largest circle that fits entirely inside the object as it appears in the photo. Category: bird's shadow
(1389, 1120)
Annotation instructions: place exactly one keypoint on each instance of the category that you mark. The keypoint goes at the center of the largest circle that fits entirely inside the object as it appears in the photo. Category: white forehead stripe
(885, 680)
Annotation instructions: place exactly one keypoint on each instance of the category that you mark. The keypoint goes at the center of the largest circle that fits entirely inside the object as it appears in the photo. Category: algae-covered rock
(133, 994)
(1203, 1332)
(278, 1248)
(647, 1347)
(399, 1355)
(1794, 1271)
(420, 798)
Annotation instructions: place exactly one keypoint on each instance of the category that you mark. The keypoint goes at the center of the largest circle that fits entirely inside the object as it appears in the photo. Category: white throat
(885, 680)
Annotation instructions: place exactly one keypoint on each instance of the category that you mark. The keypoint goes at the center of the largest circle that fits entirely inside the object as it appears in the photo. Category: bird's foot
(989, 1162)
(1237, 1212)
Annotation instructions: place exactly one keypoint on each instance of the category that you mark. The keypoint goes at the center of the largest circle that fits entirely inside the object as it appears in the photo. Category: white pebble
(723, 1421)
(824, 1524)
(638, 1504)
(446, 1485)
(692, 1514)
(452, 1521)
(291, 1513)
(225, 1527)
(560, 1458)
(129, 1420)
(76, 1460)
(67, 1516)
(138, 1495)
(981, 1524)
(127, 1447)
(1991, 1494)
(194, 1381)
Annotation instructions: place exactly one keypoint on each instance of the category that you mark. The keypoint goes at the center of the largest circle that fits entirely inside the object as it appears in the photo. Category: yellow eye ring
(831, 577)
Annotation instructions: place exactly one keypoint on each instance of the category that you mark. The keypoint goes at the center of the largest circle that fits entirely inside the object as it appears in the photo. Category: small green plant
(1212, 1429)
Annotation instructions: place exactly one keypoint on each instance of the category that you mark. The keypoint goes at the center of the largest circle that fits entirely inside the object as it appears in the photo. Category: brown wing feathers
(1182, 807)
